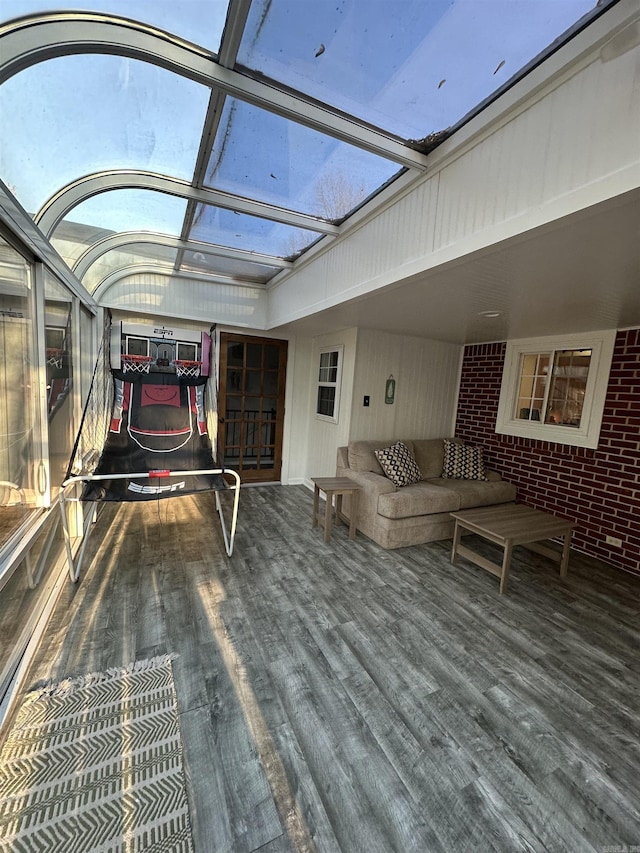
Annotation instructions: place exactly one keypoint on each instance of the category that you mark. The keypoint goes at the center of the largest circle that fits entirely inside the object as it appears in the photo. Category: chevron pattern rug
(95, 764)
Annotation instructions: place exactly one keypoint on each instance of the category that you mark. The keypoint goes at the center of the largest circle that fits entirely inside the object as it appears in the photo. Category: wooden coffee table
(509, 525)
(337, 486)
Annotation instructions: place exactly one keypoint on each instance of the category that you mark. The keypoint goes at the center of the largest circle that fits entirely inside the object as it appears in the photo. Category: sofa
(397, 516)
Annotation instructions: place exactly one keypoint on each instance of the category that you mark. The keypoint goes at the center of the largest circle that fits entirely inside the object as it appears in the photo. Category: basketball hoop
(187, 368)
(136, 363)
(54, 357)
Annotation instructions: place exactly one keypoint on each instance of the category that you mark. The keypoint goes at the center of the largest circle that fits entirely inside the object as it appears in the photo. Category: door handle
(221, 420)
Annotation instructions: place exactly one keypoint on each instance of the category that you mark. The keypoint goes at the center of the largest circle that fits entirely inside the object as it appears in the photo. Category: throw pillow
(398, 464)
(462, 462)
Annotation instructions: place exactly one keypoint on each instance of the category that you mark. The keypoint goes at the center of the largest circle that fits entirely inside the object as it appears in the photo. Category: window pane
(59, 372)
(76, 115)
(241, 231)
(133, 254)
(568, 384)
(199, 21)
(270, 382)
(271, 357)
(281, 162)
(531, 388)
(204, 262)
(18, 393)
(414, 67)
(326, 401)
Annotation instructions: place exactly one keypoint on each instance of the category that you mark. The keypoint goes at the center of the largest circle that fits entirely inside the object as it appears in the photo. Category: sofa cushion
(462, 462)
(398, 464)
(429, 453)
(418, 499)
(472, 493)
(362, 457)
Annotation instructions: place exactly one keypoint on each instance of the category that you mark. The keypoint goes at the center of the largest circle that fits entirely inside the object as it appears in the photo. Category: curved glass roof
(223, 139)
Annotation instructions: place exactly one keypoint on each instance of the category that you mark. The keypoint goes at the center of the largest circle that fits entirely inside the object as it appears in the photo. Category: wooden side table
(337, 486)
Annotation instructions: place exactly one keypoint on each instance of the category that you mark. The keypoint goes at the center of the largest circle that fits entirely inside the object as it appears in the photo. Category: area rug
(94, 765)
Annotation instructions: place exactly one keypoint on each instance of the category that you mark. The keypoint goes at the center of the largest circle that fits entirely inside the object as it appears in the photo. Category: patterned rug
(94, 765)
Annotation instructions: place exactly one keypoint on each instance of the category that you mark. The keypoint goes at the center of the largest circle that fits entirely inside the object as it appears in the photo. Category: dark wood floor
(337, 697)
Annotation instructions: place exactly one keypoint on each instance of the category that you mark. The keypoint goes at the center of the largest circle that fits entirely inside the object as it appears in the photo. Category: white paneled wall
(166, 296)
(426, 374)
(324, 437)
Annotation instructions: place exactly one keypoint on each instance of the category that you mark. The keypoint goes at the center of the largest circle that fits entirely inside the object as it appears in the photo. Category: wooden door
(251, 406)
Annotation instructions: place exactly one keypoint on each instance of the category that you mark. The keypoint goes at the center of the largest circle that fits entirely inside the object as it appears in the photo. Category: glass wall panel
(131, 210)
(115, 211)
(208, 262)
(24, 591)
(19, 421)
(150, 254)
(241, 231)
(76, 115)
(281, 162)
(409, 66)
(200, 21)
(59, 333)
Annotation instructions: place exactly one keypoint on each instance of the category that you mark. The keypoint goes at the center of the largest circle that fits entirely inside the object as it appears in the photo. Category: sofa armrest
(371, 485)
(343, 458)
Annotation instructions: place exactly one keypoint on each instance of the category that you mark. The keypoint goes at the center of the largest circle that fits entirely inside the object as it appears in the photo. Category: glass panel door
(252, 385)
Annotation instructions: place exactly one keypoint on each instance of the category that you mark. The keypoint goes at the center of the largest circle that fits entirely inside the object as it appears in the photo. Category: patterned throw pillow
(399, 464)
(462, 462)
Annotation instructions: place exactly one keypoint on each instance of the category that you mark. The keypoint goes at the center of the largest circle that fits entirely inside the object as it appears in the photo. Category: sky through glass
(198, 21)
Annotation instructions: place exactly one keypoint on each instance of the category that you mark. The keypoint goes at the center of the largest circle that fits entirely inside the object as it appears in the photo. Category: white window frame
(587, 434)
(339, 349)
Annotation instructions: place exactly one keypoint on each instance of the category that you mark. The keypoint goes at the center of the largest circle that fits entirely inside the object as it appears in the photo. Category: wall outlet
(613, 540)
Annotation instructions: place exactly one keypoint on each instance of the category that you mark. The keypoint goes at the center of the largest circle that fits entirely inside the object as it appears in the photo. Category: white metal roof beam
(237, 13)
(126, 238)
(18, 220)
(58, 206)
(36, 39)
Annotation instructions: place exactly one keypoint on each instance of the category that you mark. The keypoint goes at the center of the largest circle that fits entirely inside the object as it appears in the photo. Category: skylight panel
(271, 159)
(123, 210)
(198, 21)
(206, 263)
(77, 115)
(252, 233)
(132, 255)
(411, 67)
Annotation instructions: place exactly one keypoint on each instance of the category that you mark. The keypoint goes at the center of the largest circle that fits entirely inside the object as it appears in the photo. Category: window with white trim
(328, 391)
(553, 389)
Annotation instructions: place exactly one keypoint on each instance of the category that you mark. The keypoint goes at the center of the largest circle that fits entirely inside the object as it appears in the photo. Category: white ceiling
(577, 274)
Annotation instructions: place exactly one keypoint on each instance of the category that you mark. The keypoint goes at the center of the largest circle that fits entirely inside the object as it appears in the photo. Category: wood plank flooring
(338, 697)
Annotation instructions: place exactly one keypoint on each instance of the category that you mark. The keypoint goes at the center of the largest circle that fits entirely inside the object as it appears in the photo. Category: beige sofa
(411, 515)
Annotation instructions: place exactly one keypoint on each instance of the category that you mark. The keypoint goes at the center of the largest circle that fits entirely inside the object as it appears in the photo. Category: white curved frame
(125, 238)
(60, 204)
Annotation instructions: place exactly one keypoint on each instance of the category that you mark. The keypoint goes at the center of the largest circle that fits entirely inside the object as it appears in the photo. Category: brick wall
(599, 488)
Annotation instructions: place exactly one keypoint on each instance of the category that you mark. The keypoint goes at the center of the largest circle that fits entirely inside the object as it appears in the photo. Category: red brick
(598, 488)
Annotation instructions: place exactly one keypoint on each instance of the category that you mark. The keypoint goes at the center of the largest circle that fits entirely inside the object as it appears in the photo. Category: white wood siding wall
(324, 437)
(240, 307)
(559, 146)
(427, 375)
